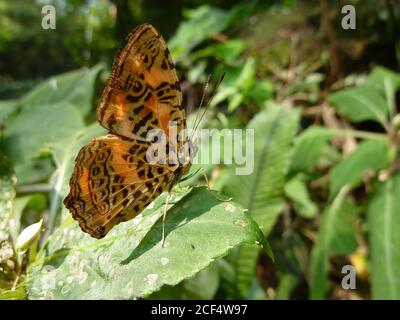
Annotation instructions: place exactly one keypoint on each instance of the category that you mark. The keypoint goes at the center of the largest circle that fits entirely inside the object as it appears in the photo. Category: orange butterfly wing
(143, 92)
(112, 181)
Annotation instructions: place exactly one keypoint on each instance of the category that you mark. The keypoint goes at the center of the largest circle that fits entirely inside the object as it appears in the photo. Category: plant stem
(33, 188)
(359, 134)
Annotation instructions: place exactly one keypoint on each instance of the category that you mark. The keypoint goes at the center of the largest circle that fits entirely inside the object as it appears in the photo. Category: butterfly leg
(163, 220)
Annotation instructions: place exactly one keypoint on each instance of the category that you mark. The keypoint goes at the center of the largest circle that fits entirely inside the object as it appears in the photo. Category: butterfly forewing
(143, 92)
(112, 179)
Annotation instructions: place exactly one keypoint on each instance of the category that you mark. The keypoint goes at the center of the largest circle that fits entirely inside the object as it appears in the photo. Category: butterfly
(113, 181)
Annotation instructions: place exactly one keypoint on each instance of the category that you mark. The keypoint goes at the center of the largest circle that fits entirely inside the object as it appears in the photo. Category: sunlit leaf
(130, 261)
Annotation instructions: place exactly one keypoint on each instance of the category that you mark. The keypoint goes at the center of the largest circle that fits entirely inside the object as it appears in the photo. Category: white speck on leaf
(82, 277)
(229, 207)
(240, 222)
(151, 278)
(137, 220)
(164, 261)
(129, 288)
(70, 279)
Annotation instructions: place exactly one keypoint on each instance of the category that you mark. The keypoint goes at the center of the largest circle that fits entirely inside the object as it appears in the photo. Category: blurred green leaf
(34, 170)
(292, 257)
(387, 82)
(261, 192)
(130, 262)
(370, 156)
(75, 87)
(7, 107)
(296, 190)
(227, 51)
(287, 283)
(238, 81)
(262, 91)
(201, 24)
(336, 236)
(384, 236)
(36, 130)
(245, 269)
(203, 285)
(308, 146)
(360, 104)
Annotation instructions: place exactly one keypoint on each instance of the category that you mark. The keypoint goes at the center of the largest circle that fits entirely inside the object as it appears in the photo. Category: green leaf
(296, 190)
(261, 92)
(336, 236)
(384, 237)
(292, 256)
(203, 285)
(308, 147)
(370, 155)
(7, 107)
(287, 282)
(76, 87)
(360, 104)
(227, 51)
(261, 192)
(202, 23)
(130, 261)
(245, 268)
(238, 81)
(36, 130)
(387, 82)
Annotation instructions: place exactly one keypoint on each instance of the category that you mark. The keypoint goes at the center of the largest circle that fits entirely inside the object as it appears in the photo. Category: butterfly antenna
(208, 103)
(201, 101)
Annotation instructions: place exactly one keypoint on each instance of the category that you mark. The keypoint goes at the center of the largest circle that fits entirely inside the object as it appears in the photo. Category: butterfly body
(113, 180)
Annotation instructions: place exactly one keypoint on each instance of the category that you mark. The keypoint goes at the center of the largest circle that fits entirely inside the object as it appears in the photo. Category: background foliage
(323, 103)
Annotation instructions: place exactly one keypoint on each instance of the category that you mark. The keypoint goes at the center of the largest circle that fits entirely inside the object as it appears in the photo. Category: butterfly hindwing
(113, 183)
